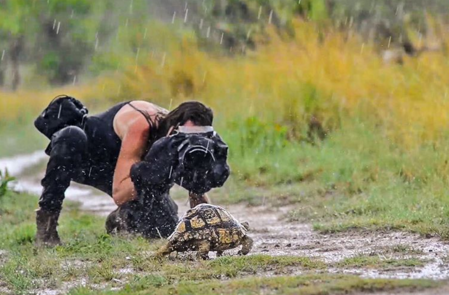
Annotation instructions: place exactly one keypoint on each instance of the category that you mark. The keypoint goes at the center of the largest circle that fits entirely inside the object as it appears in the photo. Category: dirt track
(274, 236)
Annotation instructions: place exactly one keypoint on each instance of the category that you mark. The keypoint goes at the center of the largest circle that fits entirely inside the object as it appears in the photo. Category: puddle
(273, 235)
(91, 200)
(18, 164)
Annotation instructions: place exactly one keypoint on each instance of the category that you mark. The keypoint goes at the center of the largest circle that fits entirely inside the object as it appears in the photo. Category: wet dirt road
(273, 235)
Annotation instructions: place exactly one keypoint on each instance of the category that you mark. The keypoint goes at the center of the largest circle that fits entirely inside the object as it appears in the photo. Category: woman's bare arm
(134, 141)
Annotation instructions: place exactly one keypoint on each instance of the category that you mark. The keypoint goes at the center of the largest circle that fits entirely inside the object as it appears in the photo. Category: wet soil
(273, 235)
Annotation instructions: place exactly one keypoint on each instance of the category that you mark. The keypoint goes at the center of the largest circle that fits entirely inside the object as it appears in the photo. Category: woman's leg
(149, 216)
(68, 148)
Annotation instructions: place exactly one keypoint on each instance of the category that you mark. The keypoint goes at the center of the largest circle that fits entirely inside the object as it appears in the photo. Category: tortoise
(207, 228)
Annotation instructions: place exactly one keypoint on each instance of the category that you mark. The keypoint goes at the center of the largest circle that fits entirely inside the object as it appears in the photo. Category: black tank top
(103, 143)
(103, 148)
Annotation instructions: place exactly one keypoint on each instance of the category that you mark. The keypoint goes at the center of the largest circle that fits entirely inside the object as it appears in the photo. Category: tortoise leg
(247, 244)
(203, 250)
(165, 250)
(219, 253)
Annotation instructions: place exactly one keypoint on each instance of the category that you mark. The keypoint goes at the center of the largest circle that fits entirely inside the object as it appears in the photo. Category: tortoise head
(245, 224)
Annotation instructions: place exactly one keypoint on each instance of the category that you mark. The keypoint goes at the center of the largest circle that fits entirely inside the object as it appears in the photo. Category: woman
(100, 151)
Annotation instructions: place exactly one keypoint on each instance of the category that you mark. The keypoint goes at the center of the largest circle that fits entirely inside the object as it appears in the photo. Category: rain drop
(201, 24)
(260, 12)
(59, 113)
(270, 17)
(208, 32)
(57, 29)
(163, 59)
(185, 15)
(221, 39)
(137, 57)
(3, 54)
(173, 17)
(74, 80)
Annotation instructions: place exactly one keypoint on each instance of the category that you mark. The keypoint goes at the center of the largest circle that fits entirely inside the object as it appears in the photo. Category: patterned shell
(211, 222)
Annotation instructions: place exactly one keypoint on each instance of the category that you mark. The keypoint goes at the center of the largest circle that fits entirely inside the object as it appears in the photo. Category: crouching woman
(134, 152)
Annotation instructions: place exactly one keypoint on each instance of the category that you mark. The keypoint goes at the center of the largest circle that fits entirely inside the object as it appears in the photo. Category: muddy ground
(273, 235)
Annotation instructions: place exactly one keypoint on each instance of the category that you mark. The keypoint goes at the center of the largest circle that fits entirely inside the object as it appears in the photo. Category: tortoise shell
(208, 222)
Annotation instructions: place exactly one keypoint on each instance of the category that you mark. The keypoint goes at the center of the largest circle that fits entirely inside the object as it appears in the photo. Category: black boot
(46, 222)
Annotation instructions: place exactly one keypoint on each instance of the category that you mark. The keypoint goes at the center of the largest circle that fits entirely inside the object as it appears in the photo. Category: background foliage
(303, 91)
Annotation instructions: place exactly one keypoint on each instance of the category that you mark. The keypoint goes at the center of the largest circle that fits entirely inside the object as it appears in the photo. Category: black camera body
(196, 161)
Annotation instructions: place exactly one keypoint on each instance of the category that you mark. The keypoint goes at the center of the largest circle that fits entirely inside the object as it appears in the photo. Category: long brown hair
(194, 111)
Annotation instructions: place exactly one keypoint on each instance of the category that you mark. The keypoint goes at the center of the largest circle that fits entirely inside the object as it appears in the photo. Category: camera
(196, 161)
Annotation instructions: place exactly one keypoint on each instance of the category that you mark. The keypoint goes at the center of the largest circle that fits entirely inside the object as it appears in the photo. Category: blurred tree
(59, 36)
(17, 20)
(70, 35)
(62, 39)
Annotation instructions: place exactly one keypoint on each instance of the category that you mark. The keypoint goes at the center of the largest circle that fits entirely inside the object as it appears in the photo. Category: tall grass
(385, 157)
(328, 75)
(264, 100)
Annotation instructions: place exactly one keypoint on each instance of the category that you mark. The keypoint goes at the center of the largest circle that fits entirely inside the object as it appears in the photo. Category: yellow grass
(332, 76)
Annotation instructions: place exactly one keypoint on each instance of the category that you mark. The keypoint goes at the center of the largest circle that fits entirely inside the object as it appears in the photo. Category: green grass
(377, 262)
(355, 179)
(104, 262)
(90, 253)
(306, 284)
(20, 137)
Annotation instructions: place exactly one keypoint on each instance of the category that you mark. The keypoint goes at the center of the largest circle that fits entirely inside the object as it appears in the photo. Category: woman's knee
(70, 140)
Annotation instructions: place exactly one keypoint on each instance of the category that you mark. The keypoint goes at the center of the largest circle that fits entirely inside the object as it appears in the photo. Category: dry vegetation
(331, 76)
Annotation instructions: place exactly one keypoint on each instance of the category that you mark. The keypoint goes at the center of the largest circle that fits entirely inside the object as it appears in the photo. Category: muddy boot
(46, 222)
